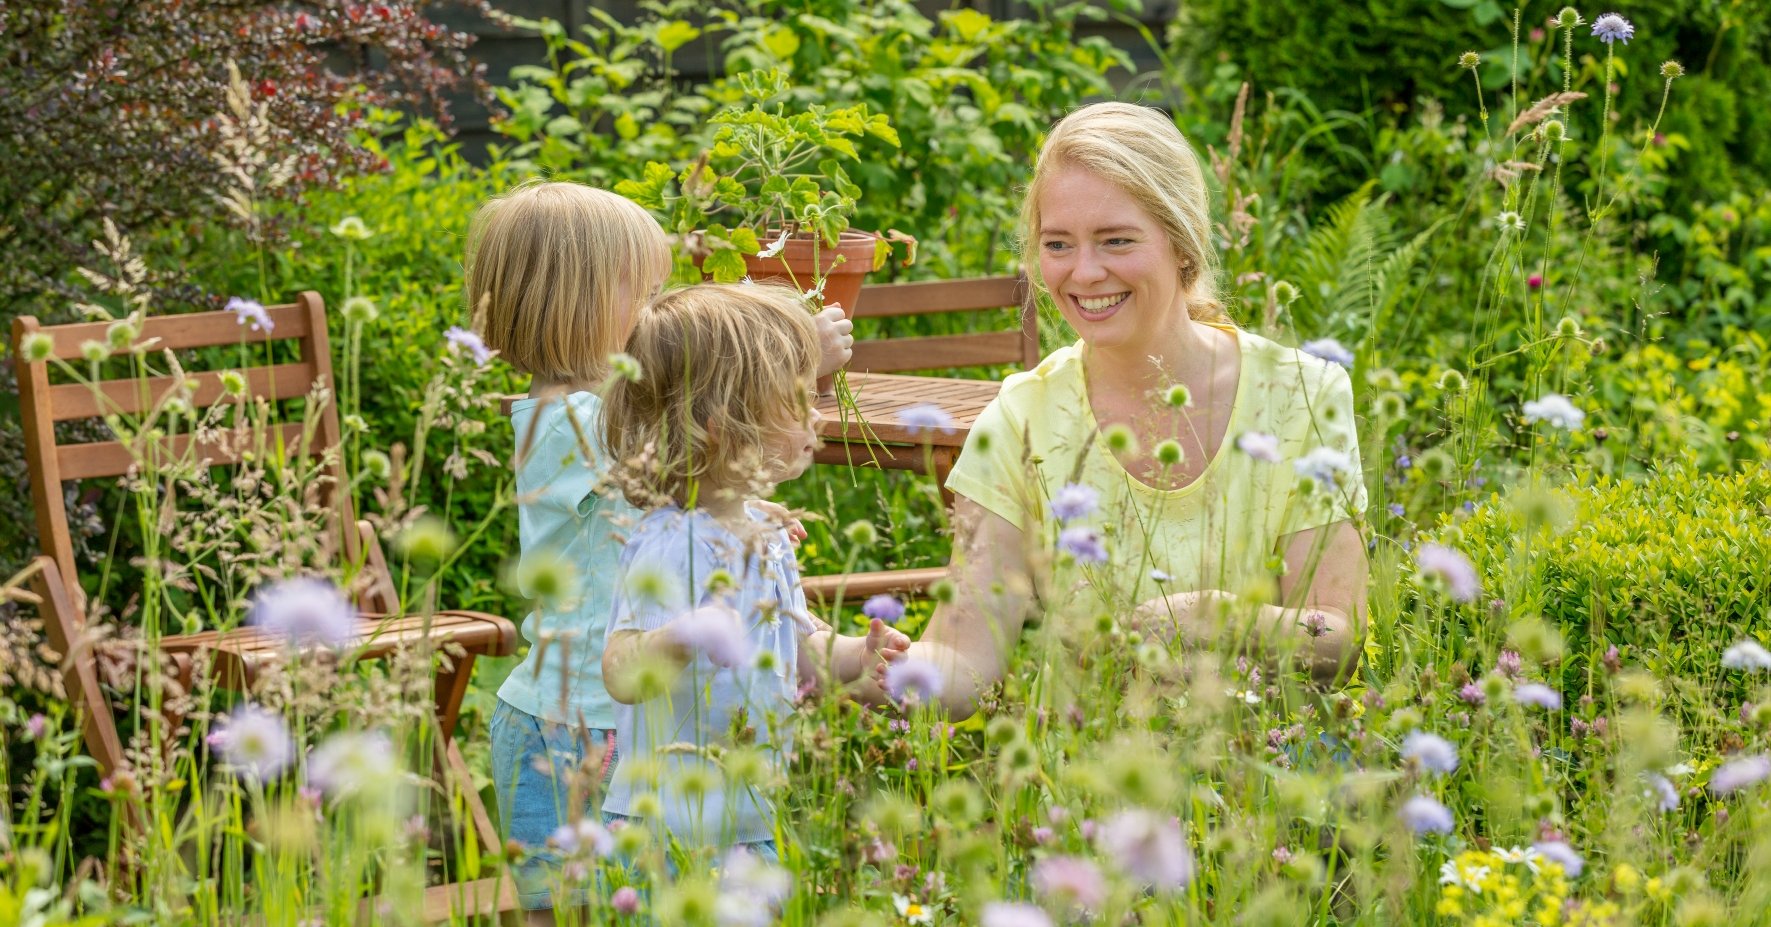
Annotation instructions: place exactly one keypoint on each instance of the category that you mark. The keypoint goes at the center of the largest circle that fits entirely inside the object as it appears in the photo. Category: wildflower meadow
(1531, 242)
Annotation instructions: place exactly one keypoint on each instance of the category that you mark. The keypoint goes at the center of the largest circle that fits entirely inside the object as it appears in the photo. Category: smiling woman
(1152, 416)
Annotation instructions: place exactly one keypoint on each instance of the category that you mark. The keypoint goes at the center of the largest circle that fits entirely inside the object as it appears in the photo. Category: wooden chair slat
(931, 296)
(891, 354)
(71, 401)
(114, 458)
(191, 330)
(856, 587)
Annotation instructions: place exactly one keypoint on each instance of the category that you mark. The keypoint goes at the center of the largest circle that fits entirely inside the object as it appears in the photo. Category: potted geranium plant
(769, 198)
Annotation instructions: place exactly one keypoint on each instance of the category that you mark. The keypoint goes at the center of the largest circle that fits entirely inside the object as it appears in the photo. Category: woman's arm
(1322, 615)
(970, 637)
(626, 652)
(845, 658)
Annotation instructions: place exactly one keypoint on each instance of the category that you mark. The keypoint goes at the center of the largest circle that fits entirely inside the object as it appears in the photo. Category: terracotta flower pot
(795, 264)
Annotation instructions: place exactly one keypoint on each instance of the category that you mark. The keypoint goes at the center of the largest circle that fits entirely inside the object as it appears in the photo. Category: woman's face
(1107, 263)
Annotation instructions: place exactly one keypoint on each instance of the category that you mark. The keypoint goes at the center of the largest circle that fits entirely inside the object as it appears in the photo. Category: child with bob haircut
(710, 641)
(556, 274)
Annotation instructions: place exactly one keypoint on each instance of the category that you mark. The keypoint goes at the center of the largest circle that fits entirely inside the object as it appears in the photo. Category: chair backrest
(43, 405)
(896, 355)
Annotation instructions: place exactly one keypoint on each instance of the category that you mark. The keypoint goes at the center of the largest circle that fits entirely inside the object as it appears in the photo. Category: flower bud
(862, 533)
(36, 347)
(1178, 396)
(1121, 440)
(1169, 453)
(427, 539)
(360, 309)
(1391, 406)
(625, 367)
(1285, 293)
(1469, 60)
(1568, 18)
(1568, 328)
(377, 464)
(94, 351)
(1671, 70)
(1451, 381)
(233, 383)
(121, 334)
(1552, 130)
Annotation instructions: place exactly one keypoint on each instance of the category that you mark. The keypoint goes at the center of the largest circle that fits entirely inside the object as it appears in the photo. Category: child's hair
(720, 368)
(1138, 150)
(555, 269)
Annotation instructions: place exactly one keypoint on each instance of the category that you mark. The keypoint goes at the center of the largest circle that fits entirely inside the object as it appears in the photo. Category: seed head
(1178, 396)
(94, 351)
(377, 464)
(1469, 60)
(1169, 453)
(1672, 70)
(36, 347)
(861, 533)
(1121, 440)
(360, 309)
(1568, 18)
(1552, 130)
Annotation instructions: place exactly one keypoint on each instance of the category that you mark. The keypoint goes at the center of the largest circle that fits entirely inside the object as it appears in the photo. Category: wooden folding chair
(236, 655)
(870, 434)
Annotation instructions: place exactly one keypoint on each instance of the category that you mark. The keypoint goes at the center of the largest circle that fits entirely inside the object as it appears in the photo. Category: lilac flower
(305, 610)
(910, 678)
(1070, 882)
(1430, 752)
(1536, 693)
(1397, 509)
(253, 741)
(1013, 914)
(886, 608)
(250, 313)
(353, 763)
(586, 835)
(715, 632)
(1149, 848)
(1613, 28)
(926, 417)
(1450, 569)
(1329, 350)
(1747, 655)
(1424, 815)
(1562, 854)
(1324, 465)
(1083, 543)
(1555, 409)
(1074, 501)
(460, 339)
(1738, 774)
(1509, 664)
(1261, 447)
(1661, 789)
(1472, 694)
(626, 900)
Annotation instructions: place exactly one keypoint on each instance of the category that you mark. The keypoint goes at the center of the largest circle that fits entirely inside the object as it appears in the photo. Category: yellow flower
(1657, 890)
(1626, 878)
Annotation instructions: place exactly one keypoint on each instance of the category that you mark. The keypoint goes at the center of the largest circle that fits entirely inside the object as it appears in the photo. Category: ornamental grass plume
(305, 610)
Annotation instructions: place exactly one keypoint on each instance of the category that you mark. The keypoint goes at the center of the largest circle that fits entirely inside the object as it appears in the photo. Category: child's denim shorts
(532, 803)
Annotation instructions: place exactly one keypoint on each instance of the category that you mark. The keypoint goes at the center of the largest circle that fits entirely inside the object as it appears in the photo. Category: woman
(1083, 449)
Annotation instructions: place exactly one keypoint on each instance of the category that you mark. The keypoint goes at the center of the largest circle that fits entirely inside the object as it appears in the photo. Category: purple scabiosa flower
(1074, 501)
(926, 417)
(1661, 789)
(1260, 446)
(1397, 509)
(1451, 570)
(886, 608)
(1013, 914)
(1149, 848)
(717, 633)
(1324, 465)
(913, 679)
(625, 901)
(1611, 27)
(1329, 350)
(1472, 694)
(253, 741)
(1562, 854)
(1738, 774)
(1070, 882)
(1424, 815)
(353, 763)
(251, 314)
(1538, 694)
(305, 610)
(460, 339)
(1083, 543)
(1747, 655)
(1430, 752)
(1555, 409)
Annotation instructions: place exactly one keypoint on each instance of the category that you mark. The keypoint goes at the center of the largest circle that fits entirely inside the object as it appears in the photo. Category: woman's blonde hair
(721, 367)
(1138, 150)
(553, 271)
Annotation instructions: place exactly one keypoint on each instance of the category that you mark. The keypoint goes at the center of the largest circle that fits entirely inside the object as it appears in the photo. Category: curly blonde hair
(721, 367)
(555, 273)
(1138, 150)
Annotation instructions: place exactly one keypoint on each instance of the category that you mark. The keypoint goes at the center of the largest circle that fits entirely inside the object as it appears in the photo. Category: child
(710, 640)
(556, 273)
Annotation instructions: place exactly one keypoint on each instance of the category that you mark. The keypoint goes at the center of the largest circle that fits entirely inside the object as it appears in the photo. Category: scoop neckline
(1211, 466)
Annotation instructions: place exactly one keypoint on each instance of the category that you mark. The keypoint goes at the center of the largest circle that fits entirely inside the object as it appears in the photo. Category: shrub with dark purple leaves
(109, 108)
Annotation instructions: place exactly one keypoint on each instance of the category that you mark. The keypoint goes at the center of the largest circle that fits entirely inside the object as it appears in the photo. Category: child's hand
(796, 530)
(836, 340)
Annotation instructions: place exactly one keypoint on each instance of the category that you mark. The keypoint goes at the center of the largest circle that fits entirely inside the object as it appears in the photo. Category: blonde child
(710, 641)
(556, 273)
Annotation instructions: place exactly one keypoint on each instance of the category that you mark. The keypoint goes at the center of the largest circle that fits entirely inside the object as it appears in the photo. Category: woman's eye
(1055, 246)
(1118, 241)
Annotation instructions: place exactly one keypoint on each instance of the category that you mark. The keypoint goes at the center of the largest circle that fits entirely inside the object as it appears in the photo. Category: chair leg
(451, 689)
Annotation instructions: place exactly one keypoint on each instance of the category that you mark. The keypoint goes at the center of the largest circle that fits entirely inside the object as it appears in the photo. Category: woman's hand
(836, 339)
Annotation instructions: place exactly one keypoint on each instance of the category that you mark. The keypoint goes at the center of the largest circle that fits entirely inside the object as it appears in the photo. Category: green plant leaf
(674, 35)
(724, 265)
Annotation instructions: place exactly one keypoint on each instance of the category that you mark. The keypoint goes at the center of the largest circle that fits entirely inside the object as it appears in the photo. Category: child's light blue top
(666, 568)
(561, 514)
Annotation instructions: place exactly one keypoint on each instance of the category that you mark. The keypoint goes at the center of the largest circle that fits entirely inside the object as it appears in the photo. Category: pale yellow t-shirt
(1219, 532)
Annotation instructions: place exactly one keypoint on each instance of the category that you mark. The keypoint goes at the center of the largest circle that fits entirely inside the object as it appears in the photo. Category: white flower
(774, 247)
(1555, 409)
(305, 610)
(1510, 221)
(912, 910)
(351, 228)
(1527, 855)
(1262, 447)
(354, 763)
(1467, 877)
(1747, 655)
(253, 741)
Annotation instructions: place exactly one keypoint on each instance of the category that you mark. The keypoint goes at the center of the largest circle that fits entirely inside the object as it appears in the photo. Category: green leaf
(674, 35)
(744, 239)
(781, 42)
(967, 24)
(724, 266)
(564, 125)
(627, 127)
